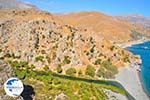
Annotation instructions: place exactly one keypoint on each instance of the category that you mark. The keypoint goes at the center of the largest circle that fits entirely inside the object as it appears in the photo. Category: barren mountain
(137, 19)
(106, 26)
(111, 28)
(140, 21)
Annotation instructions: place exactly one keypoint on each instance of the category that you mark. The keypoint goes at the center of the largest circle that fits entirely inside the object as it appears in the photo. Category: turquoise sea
(144, 51)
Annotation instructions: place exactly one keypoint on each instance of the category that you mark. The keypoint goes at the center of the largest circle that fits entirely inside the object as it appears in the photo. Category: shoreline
(139, 72)
(136, 71)
(139, 67)
(132, 84)
(131, 43)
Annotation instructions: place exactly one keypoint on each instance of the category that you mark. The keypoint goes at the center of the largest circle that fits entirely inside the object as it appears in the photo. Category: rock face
(5, 73)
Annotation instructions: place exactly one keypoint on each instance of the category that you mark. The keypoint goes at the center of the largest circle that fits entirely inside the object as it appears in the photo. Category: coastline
(132, 84)
(142, 85)
(129, 44)
(129, 77)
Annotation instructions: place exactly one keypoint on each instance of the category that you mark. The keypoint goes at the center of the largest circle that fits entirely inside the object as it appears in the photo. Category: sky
(110, 7)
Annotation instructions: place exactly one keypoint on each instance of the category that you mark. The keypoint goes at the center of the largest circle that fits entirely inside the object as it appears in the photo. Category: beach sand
(129, 78)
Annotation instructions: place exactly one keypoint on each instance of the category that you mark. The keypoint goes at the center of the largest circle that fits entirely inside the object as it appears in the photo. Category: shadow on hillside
(28, 92)
(102, 82)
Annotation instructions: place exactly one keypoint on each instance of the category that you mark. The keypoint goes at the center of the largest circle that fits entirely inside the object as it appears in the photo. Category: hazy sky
(111, 7)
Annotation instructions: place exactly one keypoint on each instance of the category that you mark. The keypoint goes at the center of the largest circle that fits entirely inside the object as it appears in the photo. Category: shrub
(98, 62)
(107, 70)
(46, 68)
(59, 69)
(71, 71)
(66, 60)
(48, 59)
(126, 59)
(56, 81)
(90, 71)
(113, 70)
(39, 58)
(80, 73)
(20, 74)
(32, 67)
(101, 72)
(23, 64)
(19, 65)
(112, 48)
(43, 51)
(106, 64)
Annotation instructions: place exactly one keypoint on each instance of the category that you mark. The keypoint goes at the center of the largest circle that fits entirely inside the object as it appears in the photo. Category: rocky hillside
(44, 40)
(5, 73)
(111, 28)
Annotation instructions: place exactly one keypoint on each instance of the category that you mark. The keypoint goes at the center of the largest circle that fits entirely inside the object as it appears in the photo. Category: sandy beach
(129, 78)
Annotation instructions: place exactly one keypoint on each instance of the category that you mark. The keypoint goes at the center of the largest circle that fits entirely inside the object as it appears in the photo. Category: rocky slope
(5, 73)
(42, 39)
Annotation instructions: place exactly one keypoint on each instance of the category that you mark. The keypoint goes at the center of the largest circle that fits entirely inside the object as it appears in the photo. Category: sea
(143, 50)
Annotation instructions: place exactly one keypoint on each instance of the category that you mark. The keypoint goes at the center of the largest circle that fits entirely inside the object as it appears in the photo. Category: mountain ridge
(100, 23)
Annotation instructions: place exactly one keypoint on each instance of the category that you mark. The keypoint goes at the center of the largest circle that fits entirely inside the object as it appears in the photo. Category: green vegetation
(107, 70)
(126, 59)
(98, 62)
(43, 51)
(47, 84)
(66, 60)
(48, 59)
(112, 48)
(39, 58)
(90, 71)
(80, 73)
(59, 69)
(71, 71)
(101, 72)
(20, 68)
(46, 68)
